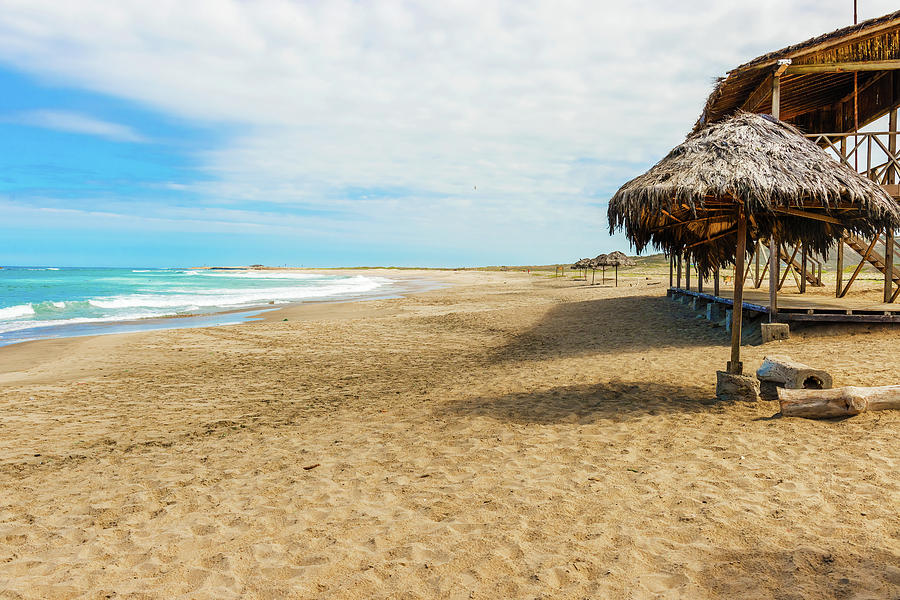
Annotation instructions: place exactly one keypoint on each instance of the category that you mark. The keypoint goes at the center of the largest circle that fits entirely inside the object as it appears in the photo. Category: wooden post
(716, 283)
(773, 276)
(756, 280)
(678, 260)
(617, 274)
(892, 146)
(776, 96)
(889, 233)
(888, 265)
(699, 281)
(671, 269)
(735, 367)
(839, 276)
(687, 272)
(802, 268)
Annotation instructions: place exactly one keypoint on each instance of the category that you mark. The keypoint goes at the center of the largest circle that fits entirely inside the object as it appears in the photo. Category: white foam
(16, 312)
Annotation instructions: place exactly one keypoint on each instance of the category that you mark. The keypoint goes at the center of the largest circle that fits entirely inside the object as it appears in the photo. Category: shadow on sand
(615, 400)
(610, 325)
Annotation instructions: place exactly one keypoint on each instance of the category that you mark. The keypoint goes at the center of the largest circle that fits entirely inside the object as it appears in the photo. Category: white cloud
(73, 122)
(428, 98)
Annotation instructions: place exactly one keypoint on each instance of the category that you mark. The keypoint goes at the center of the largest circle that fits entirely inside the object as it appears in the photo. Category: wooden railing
(874, 154)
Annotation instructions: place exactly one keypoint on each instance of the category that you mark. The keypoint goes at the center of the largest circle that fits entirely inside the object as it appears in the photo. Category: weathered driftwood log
(839, 402)
(782, 372)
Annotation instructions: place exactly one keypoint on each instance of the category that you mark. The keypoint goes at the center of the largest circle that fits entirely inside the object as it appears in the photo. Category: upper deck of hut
(833, 83)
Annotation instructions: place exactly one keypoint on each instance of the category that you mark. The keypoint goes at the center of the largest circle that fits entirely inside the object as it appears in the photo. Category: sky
(345, 133)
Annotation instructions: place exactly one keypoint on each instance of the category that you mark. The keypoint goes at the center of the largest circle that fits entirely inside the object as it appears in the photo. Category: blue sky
(351, 133)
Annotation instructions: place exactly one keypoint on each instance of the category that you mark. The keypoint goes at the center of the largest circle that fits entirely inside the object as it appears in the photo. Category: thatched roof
(599, 261)
(689, 200)
(583, 263)
(817, 102)
(618, 259)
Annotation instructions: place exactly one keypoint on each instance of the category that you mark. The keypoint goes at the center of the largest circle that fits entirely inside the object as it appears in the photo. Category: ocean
(49, 302)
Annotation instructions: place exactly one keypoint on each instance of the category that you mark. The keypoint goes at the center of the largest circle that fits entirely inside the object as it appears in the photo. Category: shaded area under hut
(740, 180)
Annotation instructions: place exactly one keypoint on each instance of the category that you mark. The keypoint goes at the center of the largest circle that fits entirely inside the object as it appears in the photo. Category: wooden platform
(804, 308)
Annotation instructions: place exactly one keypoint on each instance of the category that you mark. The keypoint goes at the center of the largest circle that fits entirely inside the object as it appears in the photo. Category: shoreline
(402, 283)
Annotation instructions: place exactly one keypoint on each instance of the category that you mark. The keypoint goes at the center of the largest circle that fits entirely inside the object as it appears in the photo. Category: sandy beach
(507, 436)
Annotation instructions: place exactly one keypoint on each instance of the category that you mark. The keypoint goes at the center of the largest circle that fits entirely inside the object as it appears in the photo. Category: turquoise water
(39, 302)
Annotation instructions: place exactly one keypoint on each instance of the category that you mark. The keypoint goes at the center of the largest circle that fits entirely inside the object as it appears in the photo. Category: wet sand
(509, 436)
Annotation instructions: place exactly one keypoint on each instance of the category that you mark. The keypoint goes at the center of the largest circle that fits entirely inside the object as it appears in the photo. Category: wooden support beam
(839, 275)
(844, 67)
(859, 267)
(671, 270)
(735, 366)
(756, 250)
(789, 268)
(762, 93)
(802, 268)
(808, 215)
(678, 261)
(687, 272)
(888, 265)
(773, 277)
(776, 97)
(716, 283)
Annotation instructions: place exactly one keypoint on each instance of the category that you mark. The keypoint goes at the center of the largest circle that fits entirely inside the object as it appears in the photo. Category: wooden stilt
(699, 281)
(802, 268)
(735, 367)
(671, 269)
(678, 260)
(687, 272)
(716, 282)
(773, 277)
(888, 265)
(839, 276)
(756, 250)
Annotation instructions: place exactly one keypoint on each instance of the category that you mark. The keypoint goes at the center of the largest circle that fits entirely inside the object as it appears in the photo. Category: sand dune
(510, 436)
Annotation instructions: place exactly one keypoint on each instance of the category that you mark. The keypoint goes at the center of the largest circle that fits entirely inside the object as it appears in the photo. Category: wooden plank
(833, 318)
(844, 67)
(808, 215)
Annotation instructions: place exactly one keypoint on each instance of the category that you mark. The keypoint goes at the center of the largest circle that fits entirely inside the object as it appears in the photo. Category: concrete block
(713, 311)
(731, 387)
(775, 331)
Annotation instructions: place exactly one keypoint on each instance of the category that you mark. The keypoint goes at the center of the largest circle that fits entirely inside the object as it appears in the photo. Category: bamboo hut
(746, 178)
